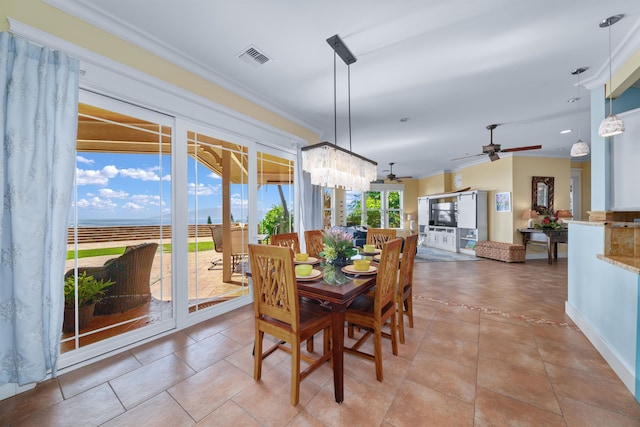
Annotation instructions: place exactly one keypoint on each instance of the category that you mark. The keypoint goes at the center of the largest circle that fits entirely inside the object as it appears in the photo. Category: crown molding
(92, 63)
(91, 15)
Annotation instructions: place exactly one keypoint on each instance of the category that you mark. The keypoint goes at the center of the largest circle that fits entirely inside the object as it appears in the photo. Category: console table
(550, 237)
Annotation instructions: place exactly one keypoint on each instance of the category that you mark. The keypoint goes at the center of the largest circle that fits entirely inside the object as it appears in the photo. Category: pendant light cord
(349, 96)
(335, 108)
(579, 105)
(610, 74)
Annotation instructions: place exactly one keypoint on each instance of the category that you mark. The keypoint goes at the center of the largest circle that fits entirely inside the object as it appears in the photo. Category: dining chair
(404, 291)
(289, 240)
(370, 312)
(378, 236)
(216, 236)
(239, 245)
(281, 313)
(314, 242)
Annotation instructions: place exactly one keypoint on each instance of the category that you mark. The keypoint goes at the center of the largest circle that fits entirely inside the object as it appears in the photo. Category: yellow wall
(493, 177)
(433, 184)
(586, 188)
(51, 20)
(513, 174)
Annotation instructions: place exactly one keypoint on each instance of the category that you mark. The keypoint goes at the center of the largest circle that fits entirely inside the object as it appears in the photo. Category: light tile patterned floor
(491, 346)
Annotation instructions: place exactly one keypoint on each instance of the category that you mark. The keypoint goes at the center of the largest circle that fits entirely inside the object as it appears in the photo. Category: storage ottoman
(507, 252)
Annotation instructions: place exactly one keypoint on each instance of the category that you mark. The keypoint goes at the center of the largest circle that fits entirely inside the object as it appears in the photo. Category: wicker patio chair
(130, 273)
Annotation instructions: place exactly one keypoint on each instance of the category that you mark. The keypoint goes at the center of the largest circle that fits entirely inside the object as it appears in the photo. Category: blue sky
(138, 186)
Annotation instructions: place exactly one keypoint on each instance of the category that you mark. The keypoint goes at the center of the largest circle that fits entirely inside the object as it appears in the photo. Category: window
(327, 207)
(382, 206)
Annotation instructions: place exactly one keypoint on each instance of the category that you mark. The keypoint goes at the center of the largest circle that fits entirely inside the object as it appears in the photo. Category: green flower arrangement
(337, 244)
(549, 221)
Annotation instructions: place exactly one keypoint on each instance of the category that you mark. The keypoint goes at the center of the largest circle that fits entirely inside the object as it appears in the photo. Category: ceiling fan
(390, 176)
(493, 149)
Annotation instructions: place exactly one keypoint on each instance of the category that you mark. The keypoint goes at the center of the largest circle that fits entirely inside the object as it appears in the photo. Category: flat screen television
(444, 214)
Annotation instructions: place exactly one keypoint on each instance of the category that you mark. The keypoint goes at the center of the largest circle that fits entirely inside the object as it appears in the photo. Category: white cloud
(96, 203)
(81, 159)
(214, 175)
(203, 189)
(167, 177)
(110, 194)
(142, 174)
(238, 201)
(146, 199)
(96, 177)
(130, 206)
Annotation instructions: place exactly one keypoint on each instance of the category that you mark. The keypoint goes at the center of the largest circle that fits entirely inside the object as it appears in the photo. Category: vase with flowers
(337, 247)
(549, 221)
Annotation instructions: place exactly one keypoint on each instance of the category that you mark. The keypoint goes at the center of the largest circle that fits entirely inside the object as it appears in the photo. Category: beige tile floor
(491, 346)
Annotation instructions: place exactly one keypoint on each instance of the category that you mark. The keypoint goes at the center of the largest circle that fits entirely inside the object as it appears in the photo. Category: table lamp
(530, 215)
(563, 214)
(412, 222)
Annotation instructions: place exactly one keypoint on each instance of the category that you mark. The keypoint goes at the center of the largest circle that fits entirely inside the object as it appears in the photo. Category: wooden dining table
(337, 298)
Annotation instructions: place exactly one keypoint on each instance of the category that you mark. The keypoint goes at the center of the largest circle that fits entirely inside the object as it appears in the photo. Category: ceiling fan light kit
(493, 149)
(612, 125)
(328, 164)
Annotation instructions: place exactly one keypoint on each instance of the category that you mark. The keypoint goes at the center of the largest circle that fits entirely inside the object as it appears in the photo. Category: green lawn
(119, 250)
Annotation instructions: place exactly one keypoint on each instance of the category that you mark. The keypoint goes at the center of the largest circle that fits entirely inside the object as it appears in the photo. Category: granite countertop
(627, 262)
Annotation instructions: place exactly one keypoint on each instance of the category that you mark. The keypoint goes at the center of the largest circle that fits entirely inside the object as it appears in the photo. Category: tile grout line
(498, 312)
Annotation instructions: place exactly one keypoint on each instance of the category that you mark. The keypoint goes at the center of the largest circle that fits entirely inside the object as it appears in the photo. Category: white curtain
(310, 200)
(38, 125)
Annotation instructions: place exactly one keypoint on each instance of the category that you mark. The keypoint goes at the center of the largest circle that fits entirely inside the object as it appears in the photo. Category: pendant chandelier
(612, 125)
(328, 164)
(579, 148)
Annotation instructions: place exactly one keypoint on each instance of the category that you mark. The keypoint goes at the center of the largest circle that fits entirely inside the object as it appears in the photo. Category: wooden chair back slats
(379, 236)
(371, 313)
(289, 240)
(279, 312)
(314, 242)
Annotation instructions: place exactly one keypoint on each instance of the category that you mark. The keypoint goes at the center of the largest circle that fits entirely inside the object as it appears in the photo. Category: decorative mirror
(542, 194)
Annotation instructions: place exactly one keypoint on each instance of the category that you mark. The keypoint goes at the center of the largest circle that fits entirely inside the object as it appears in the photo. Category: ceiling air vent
(253, 56)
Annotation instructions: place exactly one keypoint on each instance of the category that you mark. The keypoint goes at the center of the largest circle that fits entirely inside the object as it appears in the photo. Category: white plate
(350, 269)
(315, 274)
(310, 260)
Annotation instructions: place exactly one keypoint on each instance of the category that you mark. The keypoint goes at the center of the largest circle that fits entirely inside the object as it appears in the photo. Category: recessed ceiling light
(405, 119)
(566, 131)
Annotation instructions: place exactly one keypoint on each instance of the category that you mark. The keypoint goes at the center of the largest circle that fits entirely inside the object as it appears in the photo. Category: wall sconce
(530, 215)
(412, 222)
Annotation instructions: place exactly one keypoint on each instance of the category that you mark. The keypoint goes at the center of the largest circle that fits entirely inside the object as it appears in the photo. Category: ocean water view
(119, 222)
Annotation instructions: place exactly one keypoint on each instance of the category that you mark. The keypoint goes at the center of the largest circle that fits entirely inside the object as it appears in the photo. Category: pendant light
(612, 125)
(579, 148)
(328, 164)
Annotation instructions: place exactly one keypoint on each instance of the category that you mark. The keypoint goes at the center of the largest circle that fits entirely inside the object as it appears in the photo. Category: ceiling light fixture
(579, 148)
(612, 125)
(328, 164)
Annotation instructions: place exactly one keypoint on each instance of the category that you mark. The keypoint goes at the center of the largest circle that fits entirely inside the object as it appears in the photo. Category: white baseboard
(625, 375)
(12, 389)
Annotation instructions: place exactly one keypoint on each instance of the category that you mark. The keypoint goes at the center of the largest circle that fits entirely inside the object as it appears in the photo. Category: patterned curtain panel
(38, 125)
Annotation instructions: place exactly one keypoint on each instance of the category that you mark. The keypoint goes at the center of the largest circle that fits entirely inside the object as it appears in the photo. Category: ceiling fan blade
(467, 157)
(529, 147)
